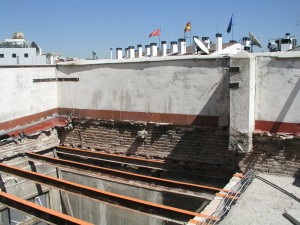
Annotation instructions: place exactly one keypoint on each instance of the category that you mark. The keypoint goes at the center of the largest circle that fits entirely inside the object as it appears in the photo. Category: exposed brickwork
(44, 140)
(274, 154)
(185, 145)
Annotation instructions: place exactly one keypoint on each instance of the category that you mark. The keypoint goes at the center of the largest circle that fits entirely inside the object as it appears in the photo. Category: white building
(18, 51)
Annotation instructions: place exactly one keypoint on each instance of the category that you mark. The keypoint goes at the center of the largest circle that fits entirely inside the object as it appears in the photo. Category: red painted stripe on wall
(27, 119)
(177, 119)
(277, 127)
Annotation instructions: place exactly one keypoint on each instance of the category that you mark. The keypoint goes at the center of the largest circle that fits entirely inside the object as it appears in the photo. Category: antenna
(18, 24)
(201, 45)
(254, 40)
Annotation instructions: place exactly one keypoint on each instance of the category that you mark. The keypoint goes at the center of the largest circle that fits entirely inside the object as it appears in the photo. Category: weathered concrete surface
(191, 85)
(264, 203)
(21, 97)
(277, 88)
(242, 102)
(27, 189)
(100, 213)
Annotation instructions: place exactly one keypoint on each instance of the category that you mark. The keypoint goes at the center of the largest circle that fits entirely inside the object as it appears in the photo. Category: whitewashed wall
(278, 87)
(21, 97)
(191, 85)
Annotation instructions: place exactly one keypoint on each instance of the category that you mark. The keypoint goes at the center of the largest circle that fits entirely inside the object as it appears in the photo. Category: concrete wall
(189, 86)
(101, 213)
(277, 93)
(21, 97)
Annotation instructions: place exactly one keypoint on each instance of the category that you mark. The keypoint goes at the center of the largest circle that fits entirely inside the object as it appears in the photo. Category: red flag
(187, 27)
(155, 33)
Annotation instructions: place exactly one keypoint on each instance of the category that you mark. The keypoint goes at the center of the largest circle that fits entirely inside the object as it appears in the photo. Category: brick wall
(44, 140)
(274, 154)
(185, 145)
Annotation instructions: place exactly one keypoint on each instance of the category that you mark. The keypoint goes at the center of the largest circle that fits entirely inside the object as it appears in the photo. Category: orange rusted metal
(119, 156)
(104, 196)
(38, 211)
(166, 182)
(226, 196)
(240, 175)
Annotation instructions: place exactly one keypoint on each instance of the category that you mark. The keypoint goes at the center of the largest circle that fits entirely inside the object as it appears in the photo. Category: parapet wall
(181, 90)
(27, 94)
(277, 101)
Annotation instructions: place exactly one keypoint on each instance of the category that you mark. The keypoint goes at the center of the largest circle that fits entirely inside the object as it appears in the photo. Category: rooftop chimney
(218, 43)
(140, 51)
(246, 42)
(153, 47)
(147, 50)
(174, 47)
(163, 48)
(111, 54)
(182, 46)
(126, 53)
(131, 52)
(206, 42)
(118, 53)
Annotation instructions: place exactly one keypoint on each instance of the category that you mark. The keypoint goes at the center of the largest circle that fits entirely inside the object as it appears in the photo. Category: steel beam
(104, 196)
(45, 214)
(146, 165)
(127, 175)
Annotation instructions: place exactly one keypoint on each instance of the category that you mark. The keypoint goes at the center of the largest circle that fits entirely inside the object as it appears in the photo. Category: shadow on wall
(285, 109)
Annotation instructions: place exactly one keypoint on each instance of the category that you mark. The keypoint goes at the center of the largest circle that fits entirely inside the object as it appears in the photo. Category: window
(1, 55)
(14, 55)
(25, 55)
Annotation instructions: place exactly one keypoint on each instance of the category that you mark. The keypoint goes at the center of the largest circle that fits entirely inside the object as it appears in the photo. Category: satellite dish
(201, 45)
(254, 40)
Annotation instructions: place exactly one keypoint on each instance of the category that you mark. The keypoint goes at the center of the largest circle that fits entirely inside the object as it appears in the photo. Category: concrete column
(242, 105)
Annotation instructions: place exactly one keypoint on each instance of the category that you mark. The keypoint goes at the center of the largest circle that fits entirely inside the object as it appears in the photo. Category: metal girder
(160, 166)
(38, 211)
(127, 175)
(104, 196)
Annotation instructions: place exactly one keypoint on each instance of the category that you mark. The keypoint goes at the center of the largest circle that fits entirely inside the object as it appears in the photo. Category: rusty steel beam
(135, 160)
(127, 175)
(38, 211)
(145, 165)
(105, 196)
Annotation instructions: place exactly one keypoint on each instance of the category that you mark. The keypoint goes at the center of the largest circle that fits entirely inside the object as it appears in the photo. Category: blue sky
(76, 28)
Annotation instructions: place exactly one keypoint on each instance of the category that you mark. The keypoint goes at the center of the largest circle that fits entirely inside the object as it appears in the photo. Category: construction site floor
(265, 201)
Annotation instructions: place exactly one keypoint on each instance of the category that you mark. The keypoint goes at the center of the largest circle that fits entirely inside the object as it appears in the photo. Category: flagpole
(190, 32)
(232, 33)
(159, 36)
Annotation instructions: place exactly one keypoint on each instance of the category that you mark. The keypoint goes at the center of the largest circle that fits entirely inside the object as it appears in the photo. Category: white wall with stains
(180, 85)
